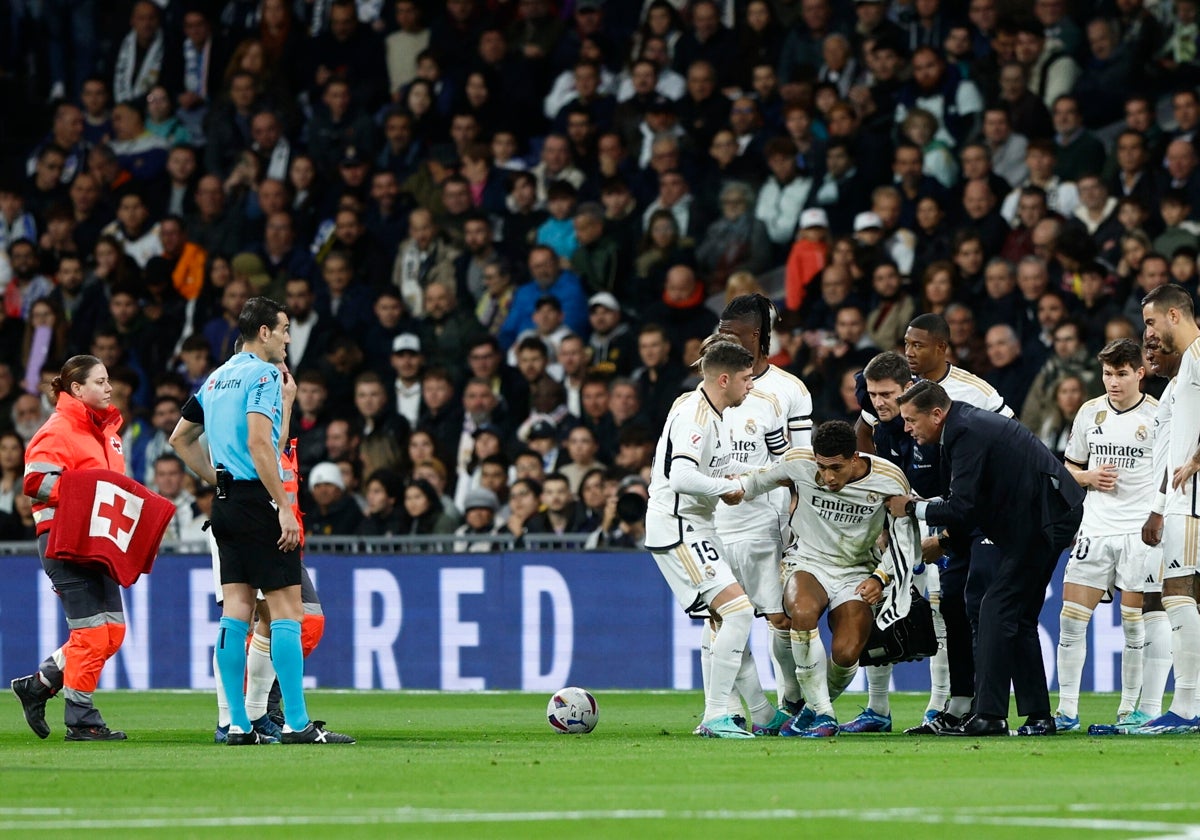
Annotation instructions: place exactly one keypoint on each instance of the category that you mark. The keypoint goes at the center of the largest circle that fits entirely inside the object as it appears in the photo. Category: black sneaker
(315, 733)
(242, 739)
(33, 695)
(942, 720)
(94, 733)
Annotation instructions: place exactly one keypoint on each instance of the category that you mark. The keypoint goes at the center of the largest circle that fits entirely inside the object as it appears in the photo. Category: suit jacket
(1003, 481)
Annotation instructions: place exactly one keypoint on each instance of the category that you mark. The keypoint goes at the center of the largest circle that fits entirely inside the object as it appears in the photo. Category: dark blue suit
(1006, 483)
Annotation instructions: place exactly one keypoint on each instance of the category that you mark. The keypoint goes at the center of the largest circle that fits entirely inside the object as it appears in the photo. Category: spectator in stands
(384, 489)
(1055, 430)
(1009, 374)
(330, 510)
(479, 511)
(1071, 358)
(545, 278)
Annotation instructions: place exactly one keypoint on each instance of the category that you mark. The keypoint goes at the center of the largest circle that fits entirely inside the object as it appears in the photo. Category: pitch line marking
(1010, 816)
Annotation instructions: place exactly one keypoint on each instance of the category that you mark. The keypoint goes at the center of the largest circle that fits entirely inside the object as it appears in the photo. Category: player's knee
(805, 614)
(1178, 586)
(312, 628)
(779, 621)
(1152, 602)
(845, 652)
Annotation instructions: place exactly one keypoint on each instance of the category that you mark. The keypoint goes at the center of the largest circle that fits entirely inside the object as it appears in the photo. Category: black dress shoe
(934, 726)
(977, 726)
(1038, 726)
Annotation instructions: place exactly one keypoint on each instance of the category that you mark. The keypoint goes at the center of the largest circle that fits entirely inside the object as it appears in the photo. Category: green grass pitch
(488, 765)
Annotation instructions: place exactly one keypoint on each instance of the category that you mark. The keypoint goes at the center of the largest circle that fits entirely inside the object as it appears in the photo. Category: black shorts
(246, 527)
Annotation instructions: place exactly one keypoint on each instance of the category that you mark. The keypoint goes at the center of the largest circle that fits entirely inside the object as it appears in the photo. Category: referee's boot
(316, 733)
(33, 694)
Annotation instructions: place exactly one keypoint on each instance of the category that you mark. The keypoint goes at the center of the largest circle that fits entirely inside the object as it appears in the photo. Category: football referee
(256, 530)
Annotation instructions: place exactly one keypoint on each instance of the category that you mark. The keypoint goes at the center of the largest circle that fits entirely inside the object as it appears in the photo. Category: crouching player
(833, 565)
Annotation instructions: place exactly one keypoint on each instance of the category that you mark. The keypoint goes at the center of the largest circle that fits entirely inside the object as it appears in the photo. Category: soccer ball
(572, 711)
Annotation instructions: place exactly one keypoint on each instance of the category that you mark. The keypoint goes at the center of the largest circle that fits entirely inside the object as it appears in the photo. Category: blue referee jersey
(242, 386)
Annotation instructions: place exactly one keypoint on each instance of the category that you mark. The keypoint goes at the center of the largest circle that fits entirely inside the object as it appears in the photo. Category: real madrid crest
(1141, 433)
(751, 428)
(872, 498)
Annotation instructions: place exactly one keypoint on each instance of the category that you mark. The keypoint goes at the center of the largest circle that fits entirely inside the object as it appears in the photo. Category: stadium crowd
(502, 228)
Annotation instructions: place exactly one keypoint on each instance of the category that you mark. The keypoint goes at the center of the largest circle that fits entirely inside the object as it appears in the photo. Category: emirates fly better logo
(115, 514)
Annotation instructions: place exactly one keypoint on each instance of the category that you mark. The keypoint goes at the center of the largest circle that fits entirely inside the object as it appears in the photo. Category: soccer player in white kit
(776, 416)
(1111, 455)
(690, 476)
(833, 563)
(1156, 655)
(1170, 316)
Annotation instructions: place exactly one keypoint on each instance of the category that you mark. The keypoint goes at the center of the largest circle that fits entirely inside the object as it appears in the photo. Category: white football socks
(838, 677)
(878, 679)
(939, 663)
(727, 647)
(1072, 651)
(749, 687)
(260, 675)
(1185, 651)
(1156, 661)
(809, 651)
(1131, 657)
(785, 674)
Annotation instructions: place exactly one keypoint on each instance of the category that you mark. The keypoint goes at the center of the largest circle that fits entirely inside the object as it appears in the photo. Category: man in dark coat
(1006, 483)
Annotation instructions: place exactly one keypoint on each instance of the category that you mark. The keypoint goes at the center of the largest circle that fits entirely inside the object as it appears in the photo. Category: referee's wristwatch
(910, 508)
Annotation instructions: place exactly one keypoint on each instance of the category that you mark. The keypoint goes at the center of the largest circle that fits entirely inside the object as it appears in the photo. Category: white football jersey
(776, 416)
(1102, 435)
(1162, 439)
(694, 433)
(1185, 429)
(964, 386)
(837, 528)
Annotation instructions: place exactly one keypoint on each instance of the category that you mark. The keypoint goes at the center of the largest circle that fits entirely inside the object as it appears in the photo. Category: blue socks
(288, 658)
(231, 661)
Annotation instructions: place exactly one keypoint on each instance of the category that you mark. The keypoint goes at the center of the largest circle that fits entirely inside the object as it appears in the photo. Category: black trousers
(1009, 652)
(964, 582)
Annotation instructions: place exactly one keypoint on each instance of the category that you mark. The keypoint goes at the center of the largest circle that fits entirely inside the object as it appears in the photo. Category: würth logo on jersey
(115, 514)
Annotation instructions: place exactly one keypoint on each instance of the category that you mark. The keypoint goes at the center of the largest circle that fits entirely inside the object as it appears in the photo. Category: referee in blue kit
(252, 520)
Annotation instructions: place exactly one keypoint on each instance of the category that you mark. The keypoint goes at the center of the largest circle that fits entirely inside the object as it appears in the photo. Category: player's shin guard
(809, 651)
(785, 673)
(1072, 651)
(1156, 661)
(939, 663)
(312, 628)
(288, 657)
(1185, 652)
(879, 677)
(1131, 657)
(728, 644)
(837, 677)
(260, 675)
(231, 662)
